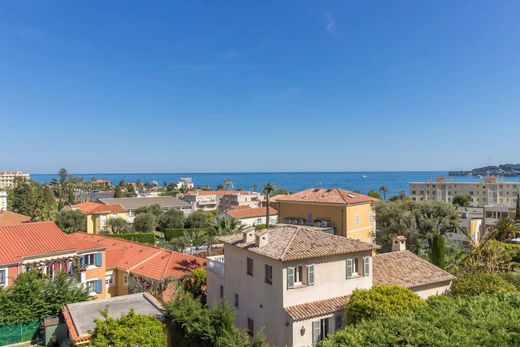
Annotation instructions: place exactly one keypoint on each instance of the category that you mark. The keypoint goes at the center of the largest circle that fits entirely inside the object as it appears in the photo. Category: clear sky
(216, 86)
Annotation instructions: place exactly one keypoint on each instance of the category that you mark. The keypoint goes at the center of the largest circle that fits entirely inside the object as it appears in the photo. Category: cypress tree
(438, 251)
(517, 214)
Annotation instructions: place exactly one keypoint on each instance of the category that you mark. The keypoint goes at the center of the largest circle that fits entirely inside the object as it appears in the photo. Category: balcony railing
(216, 264)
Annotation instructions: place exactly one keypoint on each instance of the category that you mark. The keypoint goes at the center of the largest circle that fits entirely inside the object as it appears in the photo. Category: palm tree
(384, 190)
(63, 179)
(267, 191)
(222, 225)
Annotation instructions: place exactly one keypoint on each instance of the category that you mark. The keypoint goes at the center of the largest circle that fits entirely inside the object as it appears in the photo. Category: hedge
(480, 283)
(137, 237)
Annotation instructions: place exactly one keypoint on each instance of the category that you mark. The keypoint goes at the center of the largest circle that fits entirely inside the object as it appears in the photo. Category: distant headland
(500, 170)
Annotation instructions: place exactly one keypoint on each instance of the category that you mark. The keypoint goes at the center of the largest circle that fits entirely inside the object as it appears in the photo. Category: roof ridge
(341, 195)
(144, 261)
(289, 243)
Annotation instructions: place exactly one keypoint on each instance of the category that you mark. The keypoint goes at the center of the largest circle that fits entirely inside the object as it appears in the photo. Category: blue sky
(211, 86)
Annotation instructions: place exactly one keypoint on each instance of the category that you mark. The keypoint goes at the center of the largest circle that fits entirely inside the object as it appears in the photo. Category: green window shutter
(290, 277)
(316, 331)
(310, 274)
(366, 266)
(350, 265)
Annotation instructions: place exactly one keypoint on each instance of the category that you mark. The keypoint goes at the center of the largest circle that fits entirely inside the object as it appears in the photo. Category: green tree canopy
(173, 218)
(34, 296)
(198, 219)
(145, 222)
(485, 320)
(418, 221)
(480, 283)
(117, 225)
(154, 209)
(461, 200)
(71, 221)
(130, 329)
(117, 192)
(380, 301)
(374, 194)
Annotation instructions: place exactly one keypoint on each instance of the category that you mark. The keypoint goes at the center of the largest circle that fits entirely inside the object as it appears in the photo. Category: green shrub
(260, 226)
(485, 320)
(173, 233)
(513, 278)
(137, 237)
(480, 283)
(380, 301)
(145, 222)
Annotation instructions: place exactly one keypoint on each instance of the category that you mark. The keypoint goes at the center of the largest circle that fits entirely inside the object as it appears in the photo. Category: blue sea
(292, 181)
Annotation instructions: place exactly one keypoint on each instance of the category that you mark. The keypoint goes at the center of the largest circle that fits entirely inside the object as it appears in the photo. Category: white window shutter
(316, 331)
(350, 265)
(310, 274)
(290, 277)
(366, 266)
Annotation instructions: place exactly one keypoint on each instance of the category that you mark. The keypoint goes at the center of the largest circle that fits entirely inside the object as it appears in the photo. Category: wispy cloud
(330, 24)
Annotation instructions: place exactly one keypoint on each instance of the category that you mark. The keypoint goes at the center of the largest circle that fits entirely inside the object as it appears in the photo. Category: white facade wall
(432, 289)
(3, 201)
(273, 219)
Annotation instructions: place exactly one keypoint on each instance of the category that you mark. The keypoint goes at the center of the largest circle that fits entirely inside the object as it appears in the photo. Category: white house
(253, 216)
(293, 282)
(3, 201)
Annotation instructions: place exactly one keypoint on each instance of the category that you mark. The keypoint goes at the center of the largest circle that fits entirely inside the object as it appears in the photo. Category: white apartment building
(3, 201)
(253, 216)
(7, 178)
(222, 200)
(293, 282)
(486, 192)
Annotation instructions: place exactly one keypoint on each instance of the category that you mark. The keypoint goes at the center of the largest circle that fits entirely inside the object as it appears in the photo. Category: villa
(293, 282)
(343, 212)
(253, 216)
(165, 202)
(98, 215)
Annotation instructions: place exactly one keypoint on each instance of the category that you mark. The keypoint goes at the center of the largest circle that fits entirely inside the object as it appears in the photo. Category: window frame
(250, 266)
(268, 271)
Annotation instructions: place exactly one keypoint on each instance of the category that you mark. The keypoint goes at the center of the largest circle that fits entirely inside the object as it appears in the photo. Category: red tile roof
(328, 195)
(143, 260)
(89, 207)
(218, 192)
(30, 239)
(251, 212)
(10, 218)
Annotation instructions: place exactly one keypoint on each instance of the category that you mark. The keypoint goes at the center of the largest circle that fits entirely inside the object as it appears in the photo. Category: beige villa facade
(293, 282)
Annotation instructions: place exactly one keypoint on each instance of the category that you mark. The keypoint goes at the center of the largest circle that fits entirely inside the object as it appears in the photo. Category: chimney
(398, 243)
(262, 240)
(248, 236)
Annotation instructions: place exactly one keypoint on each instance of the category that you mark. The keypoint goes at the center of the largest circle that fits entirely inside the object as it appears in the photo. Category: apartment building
(253, 216)
(222, 200)
(7, 178)
(3, 200)
(97, 215)
(489, 191)
(293, 282)
(349, 214)
(107, 266)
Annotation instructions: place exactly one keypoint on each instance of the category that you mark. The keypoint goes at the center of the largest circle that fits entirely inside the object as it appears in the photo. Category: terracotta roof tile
(219, 192)
(328, 195)
(29, 239)
(294, 242)
(406, 269)
(89, 207)
(317, 308)
(10, 218)
(251, 212)
(144, 260)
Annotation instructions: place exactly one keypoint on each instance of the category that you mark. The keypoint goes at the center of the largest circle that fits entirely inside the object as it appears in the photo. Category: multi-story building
(107, 266)
(132, 204)
(7, 178)
(496, 212)
(3, 200)
(349, 214)
(253, 216)
(222, 200)
(293, 282)
(486, 192)
(45, 247)
(97, 215)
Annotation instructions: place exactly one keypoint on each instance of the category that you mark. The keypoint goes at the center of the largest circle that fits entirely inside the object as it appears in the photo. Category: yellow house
(98, 214)
(349, 214)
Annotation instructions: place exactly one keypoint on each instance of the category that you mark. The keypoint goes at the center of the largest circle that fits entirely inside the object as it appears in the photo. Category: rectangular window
(109, 280)
(259, 221)
(89, 259)
(250, 266)
(338, 322)
(250, 327)
(356, 219)
(320, 329)
(236, 300)
(3, 277)
(221, 291)
(268, 274)
(125, 279)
